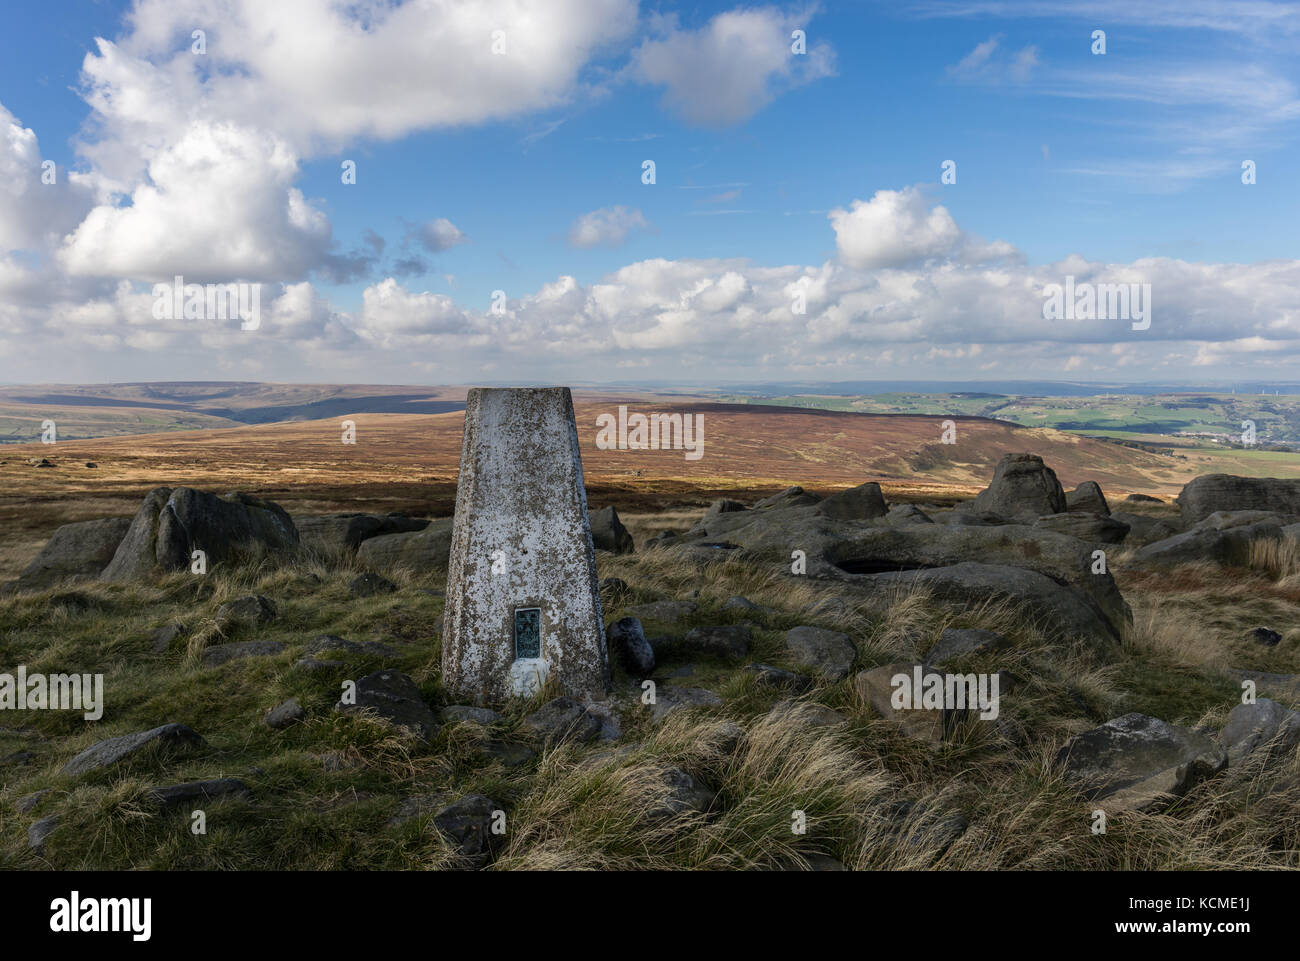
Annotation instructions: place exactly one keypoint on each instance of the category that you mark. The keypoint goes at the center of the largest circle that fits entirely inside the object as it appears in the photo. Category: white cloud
(606, 227)
(439, 235)
(728, 70)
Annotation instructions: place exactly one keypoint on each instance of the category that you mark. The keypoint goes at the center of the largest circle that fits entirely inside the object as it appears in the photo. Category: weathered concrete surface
(521, 539)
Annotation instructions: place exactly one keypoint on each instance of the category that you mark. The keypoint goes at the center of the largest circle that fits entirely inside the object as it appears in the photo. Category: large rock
(1144, 529)
(562, 719)
(1023, 488)
(169, 739)
(467, 824)
(1087, 527)
(343, 533)
(1062, 612)
(394, 698)
(171, 524)
(1225, 492)
(74, 552)
(1139, 763)
(608, 532)
(1230, 547)
(956, 643)
(216, 654)
(1264, 724)
(422, 550)
(1087, 498)
(860, 503)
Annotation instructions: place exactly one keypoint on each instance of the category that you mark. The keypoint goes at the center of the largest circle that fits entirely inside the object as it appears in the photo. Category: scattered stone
(611, 729)
(465, 714)
(1262, 635)
(39, 832)
(18, 759)
(722, 641)
(1229, 547)
(467, 823)
(627, 640)
(283, 715)
(1264, 724)
(216, 654)
(563, 719)
(794, 496)
(875, 687)
(1142, 499)
(669, 698)
(344, 533)
(27, 804)
(91, 464)
(416, 806)
(1143, 530)
(199, 791)
(368, 585)
(767, 676)
(160, 639)
(314, 664)
(1286, 686)
(394, 698)
(829, 653)
(169, 739)
(745, 606)
(248, 611)
(608, 532)
(1139, 763)
(827, 607)
(903, 514)
(955, 643)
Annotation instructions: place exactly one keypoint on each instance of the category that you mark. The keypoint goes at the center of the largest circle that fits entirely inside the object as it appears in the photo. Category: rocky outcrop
(74, 552)
(171, 524)
(1225, 492)
(1265, 725)
(1023, 488)
(861, 503)
(169, 739)
(1230, 547)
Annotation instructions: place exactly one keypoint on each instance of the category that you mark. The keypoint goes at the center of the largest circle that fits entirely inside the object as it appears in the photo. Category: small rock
(608, 532)
(465, 714)
(467, 823)
(626, 639)
(723, 640)
(283, 715)
(417, 806)
(669, 699)
(664, 612)
(39, 832)
(91, 464)
(394, 698)
(162, 637)
(678, 793)
(199, 791)
(316, 664)
(368, 585)
(27, 804)
(332, 642)
(768, 676)
(562, 719)
(248, 610)
(1264, 724)
(827, 607)
(510, 753)
(959, 642)
(167, 739)
(805, 714)
(829, 653)
(222, 653)
(1262, 635)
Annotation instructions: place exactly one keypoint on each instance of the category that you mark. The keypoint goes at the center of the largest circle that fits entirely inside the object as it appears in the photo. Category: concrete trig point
(522, 600)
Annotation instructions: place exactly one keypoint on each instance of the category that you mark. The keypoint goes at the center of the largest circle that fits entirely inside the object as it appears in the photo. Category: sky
(459, 192)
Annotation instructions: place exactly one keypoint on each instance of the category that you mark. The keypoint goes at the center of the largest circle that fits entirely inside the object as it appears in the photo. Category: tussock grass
(326, 793)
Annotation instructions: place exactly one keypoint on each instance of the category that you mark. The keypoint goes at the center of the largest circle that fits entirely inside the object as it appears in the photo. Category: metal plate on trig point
(528, 632)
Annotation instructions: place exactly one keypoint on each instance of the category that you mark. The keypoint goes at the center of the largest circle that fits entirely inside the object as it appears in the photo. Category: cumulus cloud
(606, 227)
(900, 227)
(729, 69)
(439, 235)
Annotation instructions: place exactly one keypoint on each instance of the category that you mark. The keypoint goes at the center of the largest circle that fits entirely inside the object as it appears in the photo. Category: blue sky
(1125, 166)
